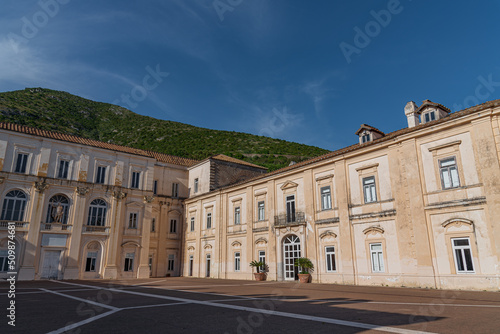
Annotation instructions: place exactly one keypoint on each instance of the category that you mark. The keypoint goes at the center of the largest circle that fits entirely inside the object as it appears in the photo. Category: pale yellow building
(415, 207)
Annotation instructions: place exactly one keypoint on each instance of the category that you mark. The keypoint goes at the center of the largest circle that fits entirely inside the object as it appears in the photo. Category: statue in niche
(57, 213)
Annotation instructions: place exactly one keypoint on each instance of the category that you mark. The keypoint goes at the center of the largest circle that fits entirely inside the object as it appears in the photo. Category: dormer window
(430, 116)
(368, 133)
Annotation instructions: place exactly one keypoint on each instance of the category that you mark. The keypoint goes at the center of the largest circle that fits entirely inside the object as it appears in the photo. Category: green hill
(60, 111)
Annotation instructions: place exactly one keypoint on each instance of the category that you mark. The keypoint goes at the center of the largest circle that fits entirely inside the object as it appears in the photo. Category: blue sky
(304, 71)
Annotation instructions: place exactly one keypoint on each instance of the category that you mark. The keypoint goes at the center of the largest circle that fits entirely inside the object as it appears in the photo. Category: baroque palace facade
(415, 207)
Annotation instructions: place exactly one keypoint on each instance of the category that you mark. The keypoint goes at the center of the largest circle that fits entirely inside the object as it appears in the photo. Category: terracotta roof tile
(369, 127)
(95, 143)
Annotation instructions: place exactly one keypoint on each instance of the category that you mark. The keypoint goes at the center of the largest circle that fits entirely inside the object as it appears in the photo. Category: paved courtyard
(192, 305)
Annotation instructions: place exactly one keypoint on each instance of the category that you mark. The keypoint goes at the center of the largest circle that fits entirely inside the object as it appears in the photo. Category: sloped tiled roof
(387, 137)
(95, 143)
(427, 103)
(223, 157)
(368, 127)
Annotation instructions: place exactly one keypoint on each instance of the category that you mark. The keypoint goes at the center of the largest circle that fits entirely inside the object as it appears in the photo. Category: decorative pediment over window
(458, 224)
(289, 185)
(131, 244)
(373, 230)
(174, 212)
(236, 244)
(327, 234)
(207, 246)
(261, 241)
(190, 249)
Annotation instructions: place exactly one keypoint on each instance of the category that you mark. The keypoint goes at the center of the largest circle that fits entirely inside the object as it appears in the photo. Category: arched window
(13, 206)
(97, 213)
(57, 211)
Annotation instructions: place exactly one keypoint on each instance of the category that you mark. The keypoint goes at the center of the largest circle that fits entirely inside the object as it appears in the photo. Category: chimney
(410, 112)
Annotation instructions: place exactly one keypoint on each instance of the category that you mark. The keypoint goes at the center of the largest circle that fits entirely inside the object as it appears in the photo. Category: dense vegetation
(60, 111)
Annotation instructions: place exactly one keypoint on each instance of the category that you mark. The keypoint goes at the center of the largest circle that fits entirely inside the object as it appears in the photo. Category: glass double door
(291, 251)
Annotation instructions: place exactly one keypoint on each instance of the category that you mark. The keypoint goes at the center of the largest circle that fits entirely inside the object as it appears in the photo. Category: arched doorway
(291, 251)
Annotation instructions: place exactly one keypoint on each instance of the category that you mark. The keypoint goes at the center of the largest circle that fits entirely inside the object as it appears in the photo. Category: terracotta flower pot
(260, 276)
(304, 278)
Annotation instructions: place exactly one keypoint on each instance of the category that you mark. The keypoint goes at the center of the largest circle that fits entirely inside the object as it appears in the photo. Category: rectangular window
(237, 216)
(192, 224)
(173, 226)
(21, 163)
(129, 262)
(262, 258)
(171, 262)
(449, 173)
(261, 207)
(175, 190)
(290, 209)
(191, 263)
(153, 225)
(155, 187)
(100, 176)
(377, 257)
(91, 260)
(237, 261)
(209, 220)
(132, 221)
(365, 138)
(135, 180)
(430, 116)
(369, 189)
(331, 265)
(463, 255)
(62, 172)
(4, 260)
(196, 185)
(326, 198)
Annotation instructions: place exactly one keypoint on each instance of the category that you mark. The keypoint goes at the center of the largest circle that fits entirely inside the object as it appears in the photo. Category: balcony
(95, 229)
(299, 218)
(20, 226)
(55, 227)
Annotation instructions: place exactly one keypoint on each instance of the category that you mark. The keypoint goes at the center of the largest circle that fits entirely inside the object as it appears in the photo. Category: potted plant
(259, 276)
(306, 266)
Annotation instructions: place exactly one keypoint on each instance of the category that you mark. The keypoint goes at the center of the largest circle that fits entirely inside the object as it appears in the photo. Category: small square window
(365, 138)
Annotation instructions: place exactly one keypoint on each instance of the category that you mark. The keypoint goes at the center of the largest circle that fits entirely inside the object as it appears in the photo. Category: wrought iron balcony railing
(299, 218)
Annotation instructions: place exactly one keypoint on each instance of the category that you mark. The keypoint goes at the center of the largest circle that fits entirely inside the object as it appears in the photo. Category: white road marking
(146, 283)
(152, 305)
(58, 290)
(82, 300)
(264, 311)
(83, 322)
